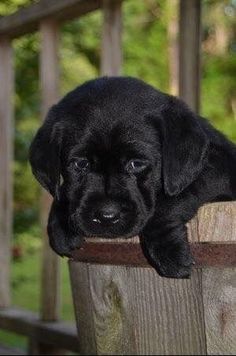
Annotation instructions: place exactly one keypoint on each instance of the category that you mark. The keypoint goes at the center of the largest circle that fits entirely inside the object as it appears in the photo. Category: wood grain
(219, 296)
(216, 222)
(192, 228)
(6, 157)
(134, 311)
(110, 300)
(189, 52)
(49, 75)
(80, 282)
(111, 54)
(168, 314)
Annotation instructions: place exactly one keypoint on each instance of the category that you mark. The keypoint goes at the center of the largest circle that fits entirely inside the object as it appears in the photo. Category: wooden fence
(189, 302)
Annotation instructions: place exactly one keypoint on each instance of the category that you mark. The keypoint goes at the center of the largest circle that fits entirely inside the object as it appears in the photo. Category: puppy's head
(110, 149)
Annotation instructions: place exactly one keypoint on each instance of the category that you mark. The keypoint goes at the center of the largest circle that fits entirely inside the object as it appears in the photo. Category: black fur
(121, 158)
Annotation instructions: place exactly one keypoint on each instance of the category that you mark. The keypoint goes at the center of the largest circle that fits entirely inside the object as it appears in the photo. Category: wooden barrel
(123, 307)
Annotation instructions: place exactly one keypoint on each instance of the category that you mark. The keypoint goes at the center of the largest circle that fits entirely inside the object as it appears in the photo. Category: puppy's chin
(111, 236)
(119, 231)
(104, 233)
(127, 227)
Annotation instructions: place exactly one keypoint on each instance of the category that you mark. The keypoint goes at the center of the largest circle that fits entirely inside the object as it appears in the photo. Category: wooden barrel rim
(131, 254)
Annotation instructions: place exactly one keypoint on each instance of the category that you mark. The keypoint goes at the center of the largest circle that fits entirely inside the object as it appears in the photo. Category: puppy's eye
(81, 164)
(136, 166)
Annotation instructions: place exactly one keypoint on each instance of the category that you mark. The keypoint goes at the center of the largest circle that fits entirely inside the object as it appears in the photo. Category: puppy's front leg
(166, 247)
(62, 239)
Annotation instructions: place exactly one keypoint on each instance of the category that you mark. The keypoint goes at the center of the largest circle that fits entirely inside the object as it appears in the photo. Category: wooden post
(111, 56)
(128, 309)
(189, 52)
(6, 156)
(49, 75)
(173, 46)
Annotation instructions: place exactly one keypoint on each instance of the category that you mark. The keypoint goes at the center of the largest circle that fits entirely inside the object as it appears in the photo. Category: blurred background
(149, 53)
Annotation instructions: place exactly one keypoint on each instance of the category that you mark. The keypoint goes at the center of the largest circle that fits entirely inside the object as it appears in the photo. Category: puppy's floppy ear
(44, 154)
(184, 146)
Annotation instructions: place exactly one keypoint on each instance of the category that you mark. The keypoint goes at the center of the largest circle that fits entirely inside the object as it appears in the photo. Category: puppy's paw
(61, 239)
(64, 245)
(171, 270)
(174, 261)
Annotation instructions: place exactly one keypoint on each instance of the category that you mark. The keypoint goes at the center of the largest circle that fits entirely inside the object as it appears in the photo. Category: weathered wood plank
(49, 76)
(219, 296)
(28, 19)
(168, 314)
(24, 322)
(217, 222)
(192, 228)
(49, 63)
(111, 56)
(134, 311)
(6, 156)
(112, 310)
(173, 48)
(79, 274)
(189, 52)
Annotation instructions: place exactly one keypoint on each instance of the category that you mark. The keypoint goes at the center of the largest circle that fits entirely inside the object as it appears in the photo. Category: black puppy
(121, 158)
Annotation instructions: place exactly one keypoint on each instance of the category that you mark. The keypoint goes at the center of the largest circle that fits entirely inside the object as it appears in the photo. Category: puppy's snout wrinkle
(107, 214)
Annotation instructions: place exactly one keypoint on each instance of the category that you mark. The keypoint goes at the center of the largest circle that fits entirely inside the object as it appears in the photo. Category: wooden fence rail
(111, 54)
(6, 143)
(49, 79)
(28, 19)
(189, 54)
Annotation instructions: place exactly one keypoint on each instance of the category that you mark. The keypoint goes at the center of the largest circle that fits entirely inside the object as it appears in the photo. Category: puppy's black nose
(107, 214)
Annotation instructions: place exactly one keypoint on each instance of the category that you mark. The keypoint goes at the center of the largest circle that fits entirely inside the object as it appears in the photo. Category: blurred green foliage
(145, 49)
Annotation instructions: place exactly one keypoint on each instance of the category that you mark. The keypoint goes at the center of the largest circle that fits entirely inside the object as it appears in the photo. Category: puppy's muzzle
(106, 217)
